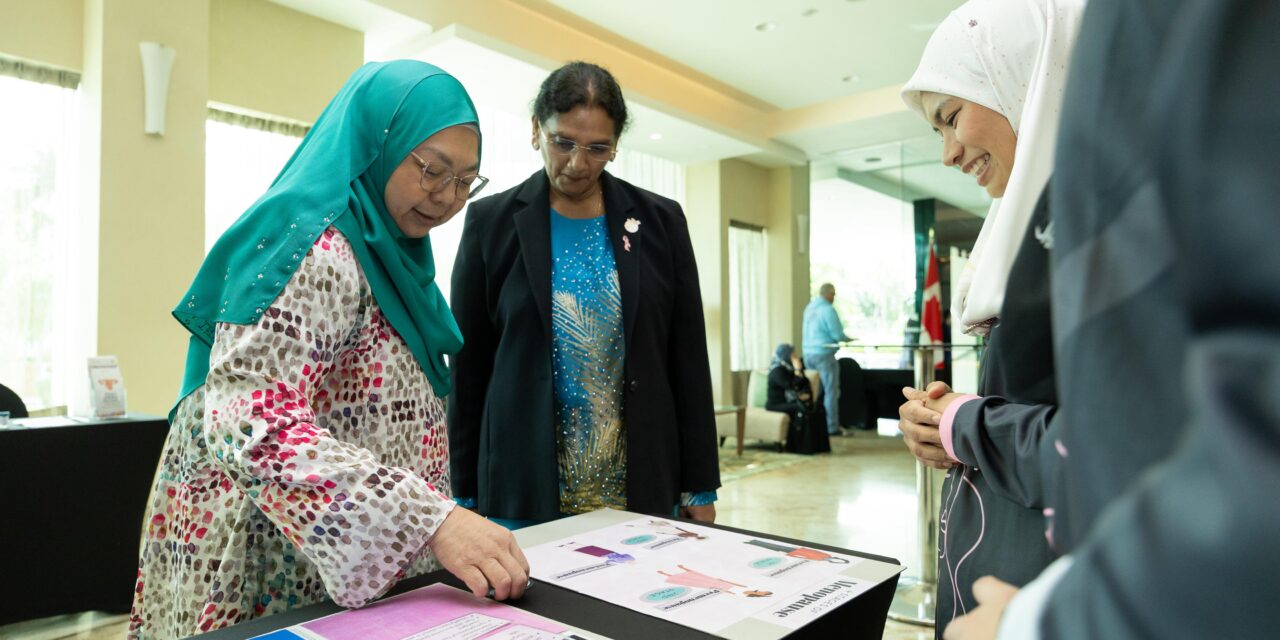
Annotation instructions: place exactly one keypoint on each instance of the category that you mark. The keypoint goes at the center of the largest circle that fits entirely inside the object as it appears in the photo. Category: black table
(75, 497)
(862, 617)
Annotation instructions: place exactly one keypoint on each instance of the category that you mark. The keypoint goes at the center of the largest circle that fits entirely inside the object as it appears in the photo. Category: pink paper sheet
(420, 609)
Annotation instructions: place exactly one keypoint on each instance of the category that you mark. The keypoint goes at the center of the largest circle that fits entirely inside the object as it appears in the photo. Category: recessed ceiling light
(850, 78)
(655, 136)
(766, 26)
(809, 12)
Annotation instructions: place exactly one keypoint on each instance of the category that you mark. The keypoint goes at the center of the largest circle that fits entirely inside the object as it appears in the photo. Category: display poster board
(729, 584)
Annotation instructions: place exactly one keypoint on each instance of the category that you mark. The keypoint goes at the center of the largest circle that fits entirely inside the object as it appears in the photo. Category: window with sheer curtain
(47, 315)
(507, 159)
(243, 155)
(748, 299)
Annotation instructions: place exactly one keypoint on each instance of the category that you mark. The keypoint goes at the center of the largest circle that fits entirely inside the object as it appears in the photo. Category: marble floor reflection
(862, 497)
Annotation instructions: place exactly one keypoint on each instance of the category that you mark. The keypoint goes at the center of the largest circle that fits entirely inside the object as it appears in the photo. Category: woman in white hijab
(990, 83)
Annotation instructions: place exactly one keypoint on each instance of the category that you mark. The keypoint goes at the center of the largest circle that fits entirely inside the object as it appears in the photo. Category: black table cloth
(75, 497)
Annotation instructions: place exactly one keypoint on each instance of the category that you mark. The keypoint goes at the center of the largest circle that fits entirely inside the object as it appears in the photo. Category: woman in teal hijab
(308, 455)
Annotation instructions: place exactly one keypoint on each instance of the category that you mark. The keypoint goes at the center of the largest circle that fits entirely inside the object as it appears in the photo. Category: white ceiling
(907, 169)
(802, 61)
(505, 82)
(382, 27)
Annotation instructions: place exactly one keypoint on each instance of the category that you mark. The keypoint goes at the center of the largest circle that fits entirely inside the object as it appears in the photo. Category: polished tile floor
(860, 497)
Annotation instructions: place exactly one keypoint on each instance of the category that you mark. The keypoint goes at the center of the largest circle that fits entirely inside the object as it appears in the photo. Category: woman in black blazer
(584, 380)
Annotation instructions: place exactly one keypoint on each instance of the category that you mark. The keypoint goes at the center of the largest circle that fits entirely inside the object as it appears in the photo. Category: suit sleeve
(1003, 440)
(1190, 550)
(473, 365)
(690, 371)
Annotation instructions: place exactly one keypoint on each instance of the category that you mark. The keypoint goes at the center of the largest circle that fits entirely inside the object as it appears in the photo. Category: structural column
(147, 190)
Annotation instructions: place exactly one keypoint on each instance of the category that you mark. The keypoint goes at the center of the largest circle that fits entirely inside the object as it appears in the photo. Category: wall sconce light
(802, 233)
(157, 63)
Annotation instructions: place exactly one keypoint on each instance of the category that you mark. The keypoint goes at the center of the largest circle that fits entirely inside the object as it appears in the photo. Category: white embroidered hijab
(1010, 56)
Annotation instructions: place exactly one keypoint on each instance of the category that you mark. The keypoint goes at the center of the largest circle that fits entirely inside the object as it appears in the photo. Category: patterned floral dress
(313, 463)
(587, 356)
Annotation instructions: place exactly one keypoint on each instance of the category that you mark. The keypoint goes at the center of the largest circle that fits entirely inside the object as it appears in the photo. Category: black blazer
(502, 438)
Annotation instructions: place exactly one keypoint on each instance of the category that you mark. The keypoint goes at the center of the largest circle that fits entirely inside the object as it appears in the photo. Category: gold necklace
(597, 196)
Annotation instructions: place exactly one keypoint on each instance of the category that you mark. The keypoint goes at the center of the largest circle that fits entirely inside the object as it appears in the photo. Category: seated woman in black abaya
(790, 393)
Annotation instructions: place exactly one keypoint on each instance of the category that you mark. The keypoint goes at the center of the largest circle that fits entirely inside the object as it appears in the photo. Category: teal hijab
(337, 177)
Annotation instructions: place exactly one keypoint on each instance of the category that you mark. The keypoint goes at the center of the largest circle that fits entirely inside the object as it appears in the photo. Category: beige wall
(48, 31)
(148, 191)
(262, 57)
(266, 58)
(744, 193)
(718, 193)
(788, 268)
(707, 230)
(150, 196)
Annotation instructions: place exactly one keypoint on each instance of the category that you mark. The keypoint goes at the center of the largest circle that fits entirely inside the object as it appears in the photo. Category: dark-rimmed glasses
(565, 147)
(436, 177)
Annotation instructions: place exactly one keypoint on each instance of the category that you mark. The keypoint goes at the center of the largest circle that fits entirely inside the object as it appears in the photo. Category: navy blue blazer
(502, 438)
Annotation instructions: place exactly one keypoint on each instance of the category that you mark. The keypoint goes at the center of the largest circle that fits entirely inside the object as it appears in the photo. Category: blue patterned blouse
(587, 352)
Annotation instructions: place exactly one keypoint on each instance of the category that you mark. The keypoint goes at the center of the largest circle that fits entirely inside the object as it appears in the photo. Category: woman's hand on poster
(481, 554)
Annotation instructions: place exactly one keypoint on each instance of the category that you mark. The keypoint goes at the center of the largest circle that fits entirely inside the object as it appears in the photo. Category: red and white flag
(931, 315)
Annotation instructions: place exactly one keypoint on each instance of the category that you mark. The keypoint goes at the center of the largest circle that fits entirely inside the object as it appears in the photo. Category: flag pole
(916, 600)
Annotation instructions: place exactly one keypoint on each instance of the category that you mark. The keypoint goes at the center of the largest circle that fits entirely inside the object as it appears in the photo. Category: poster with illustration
(434, 612)
(700, 577)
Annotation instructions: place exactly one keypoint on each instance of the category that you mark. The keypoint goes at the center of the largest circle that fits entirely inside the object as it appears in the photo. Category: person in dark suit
(584, 381)
(1166, 323)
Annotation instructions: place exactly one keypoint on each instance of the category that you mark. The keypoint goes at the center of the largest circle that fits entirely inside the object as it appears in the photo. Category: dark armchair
(9, 401)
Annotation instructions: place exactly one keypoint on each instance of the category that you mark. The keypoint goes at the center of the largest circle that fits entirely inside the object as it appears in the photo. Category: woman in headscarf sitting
(790, 393)
(308, 457)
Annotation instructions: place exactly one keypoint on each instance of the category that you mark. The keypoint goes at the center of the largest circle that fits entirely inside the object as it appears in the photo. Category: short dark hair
(579, 84)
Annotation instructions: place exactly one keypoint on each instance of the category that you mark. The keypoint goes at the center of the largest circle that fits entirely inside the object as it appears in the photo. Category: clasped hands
(919, 418)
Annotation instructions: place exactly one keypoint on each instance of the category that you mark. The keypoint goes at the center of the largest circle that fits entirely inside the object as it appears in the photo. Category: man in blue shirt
(822, 330)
